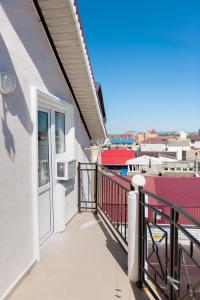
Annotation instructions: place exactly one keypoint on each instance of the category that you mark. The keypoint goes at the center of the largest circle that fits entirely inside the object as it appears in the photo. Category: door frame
(49, 185)
(49, 101)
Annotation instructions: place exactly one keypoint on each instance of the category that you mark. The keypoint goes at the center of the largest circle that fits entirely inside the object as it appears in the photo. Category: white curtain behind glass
(43, 148)
(60, 132)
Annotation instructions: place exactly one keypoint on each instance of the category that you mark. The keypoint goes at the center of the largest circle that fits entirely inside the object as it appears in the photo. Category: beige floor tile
(82, 263)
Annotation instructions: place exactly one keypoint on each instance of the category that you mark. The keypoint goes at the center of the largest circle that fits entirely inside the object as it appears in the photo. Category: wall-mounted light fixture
(7, 83)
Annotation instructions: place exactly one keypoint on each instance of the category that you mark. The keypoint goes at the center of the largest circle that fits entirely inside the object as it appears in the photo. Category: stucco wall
(153, 147)
(24, 52)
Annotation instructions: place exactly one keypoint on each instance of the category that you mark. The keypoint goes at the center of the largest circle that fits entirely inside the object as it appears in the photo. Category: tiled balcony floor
(82, 263)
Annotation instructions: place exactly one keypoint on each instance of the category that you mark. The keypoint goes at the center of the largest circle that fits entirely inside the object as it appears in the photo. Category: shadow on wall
(28, 27)
(14, 104)
(42, 56)
(39, 51)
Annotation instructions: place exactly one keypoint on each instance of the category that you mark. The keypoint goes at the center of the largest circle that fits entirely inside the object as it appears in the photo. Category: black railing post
(174, 253)
(79, 186)
(96, 187)
(141, 234)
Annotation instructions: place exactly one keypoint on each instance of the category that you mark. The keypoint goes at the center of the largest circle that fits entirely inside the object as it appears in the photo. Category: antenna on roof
(96, 148)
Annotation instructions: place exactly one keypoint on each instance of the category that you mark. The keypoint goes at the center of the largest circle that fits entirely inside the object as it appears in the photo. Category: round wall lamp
(7, 83)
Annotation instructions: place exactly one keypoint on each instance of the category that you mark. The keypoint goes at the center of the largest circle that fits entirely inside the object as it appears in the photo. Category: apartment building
(51, 110)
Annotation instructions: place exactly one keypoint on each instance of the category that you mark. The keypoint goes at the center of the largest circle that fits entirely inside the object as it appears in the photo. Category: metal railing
(168, 237)
(168, 261)
(87, 187)
(112, 200)
(106, 192)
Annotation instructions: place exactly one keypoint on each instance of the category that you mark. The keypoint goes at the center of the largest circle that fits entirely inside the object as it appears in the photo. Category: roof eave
(82, 85)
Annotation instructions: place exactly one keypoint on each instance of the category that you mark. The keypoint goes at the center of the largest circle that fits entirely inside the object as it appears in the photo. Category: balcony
(85, 262)
(162, 238)
(123, 244)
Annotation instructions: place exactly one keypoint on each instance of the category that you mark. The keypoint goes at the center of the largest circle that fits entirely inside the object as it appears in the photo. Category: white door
(45, 200)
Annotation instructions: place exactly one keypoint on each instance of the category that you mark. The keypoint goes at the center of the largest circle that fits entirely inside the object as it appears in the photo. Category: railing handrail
(161, 199)
(115, 173)
(116, 182)
(174, 206)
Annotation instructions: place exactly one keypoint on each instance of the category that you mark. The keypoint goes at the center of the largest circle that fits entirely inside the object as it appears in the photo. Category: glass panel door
(43, 148)
(45, 199)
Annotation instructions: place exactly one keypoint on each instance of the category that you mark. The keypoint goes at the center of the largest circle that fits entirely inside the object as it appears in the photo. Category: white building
(195, 140)
(183, 135)
(52, 115)
(178, 146)
(156, 144)
(145, 163)
(181, 167)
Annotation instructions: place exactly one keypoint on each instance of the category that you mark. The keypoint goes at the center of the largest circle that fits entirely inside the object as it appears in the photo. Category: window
(185, 169)
(166, 169)
(172, 169)
(60, 132)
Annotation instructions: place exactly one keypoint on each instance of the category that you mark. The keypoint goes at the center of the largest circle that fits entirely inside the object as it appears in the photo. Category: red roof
(194, 137)
(117, 157)
(183, 191)
(155, 140)
(156, 154)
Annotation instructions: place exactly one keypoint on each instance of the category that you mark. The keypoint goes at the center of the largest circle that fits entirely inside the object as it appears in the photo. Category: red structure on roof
(117, 157)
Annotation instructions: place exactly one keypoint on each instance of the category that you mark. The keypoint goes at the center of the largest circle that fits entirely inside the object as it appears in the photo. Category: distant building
(165, 144)
(178, 146)
(156, 154)
(126, 142)
(183, 135)
(154, 144)
(150, 133)
(142, 136)
(115, 159)
(180, 168)
(147, 164)
(162, 165)
(192, 154)
(195, 140)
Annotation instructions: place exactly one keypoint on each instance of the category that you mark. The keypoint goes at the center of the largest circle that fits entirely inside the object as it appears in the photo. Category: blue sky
(146, 54)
